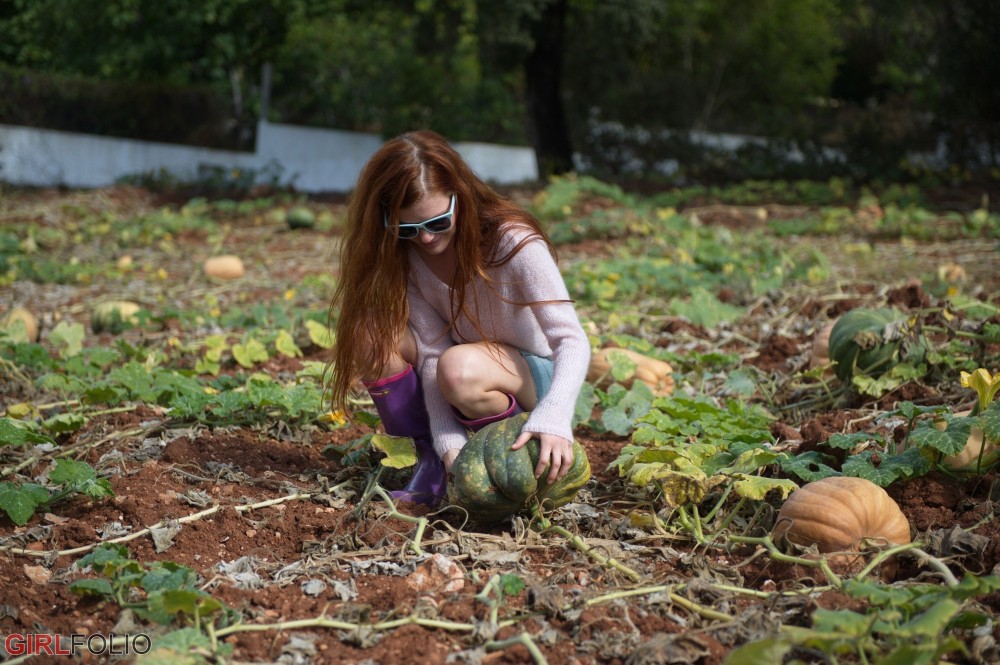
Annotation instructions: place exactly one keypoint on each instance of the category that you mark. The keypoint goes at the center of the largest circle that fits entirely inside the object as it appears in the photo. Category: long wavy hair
(369, 304)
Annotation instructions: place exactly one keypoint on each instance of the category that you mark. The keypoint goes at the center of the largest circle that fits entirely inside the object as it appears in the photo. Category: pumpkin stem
(421, 522)
(581, 544)
(524, 639)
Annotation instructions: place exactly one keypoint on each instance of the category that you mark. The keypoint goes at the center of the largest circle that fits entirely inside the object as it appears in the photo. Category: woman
(451, 310)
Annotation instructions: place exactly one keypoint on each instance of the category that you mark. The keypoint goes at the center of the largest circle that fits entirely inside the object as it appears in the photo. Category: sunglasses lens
(439, 225)
(408, 232)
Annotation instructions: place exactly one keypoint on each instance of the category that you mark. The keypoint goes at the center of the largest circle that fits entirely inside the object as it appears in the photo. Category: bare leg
(477, 378)
(405, 354)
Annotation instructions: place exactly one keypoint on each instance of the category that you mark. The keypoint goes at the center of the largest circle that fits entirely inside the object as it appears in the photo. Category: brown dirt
(321, 556)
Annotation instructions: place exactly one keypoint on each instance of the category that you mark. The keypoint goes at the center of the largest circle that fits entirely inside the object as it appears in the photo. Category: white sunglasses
(438, 224)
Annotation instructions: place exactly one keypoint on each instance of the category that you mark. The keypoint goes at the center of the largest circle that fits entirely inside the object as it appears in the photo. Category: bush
(148, 111)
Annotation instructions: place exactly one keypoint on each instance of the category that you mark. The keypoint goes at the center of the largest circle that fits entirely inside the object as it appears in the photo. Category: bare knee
(457, 375)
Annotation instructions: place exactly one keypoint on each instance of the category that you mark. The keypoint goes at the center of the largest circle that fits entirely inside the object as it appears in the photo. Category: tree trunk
(543, 82)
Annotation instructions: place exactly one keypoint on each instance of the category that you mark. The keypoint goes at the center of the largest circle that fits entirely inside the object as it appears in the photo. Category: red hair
(369, 304)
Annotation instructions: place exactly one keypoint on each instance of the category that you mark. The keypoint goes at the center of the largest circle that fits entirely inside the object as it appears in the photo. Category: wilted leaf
(757, 487)
(67, 338)
(319, 334)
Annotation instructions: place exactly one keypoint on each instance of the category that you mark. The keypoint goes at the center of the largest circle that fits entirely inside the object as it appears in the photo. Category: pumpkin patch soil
(275, 530)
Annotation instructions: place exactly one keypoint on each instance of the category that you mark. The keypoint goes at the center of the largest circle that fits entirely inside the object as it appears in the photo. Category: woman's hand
(449, 458)
(556, 453)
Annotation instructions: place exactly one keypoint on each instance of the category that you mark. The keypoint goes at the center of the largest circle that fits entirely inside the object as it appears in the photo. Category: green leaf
(585, 402)
(615, 419)
(703, 308)
(67, 338)
(808, 466)
(65, 422)
(206, 366)
(250, 353)
(951, 441)
(286, 346)
(168, 575)
(319, 334)
(749, 461)
(622, 367)
(989, 421)
(845, 622)
(851, 441)
(740, 382)
(92, 587)
(932, 622)
(105, 555)
(511, 584)
(184, 646)
(20, 501)
(71, 472)
(367, 418)
(400, 452)
(185, 601)
(767, 650)
(15, 433)
(887, 469)
(80, 477)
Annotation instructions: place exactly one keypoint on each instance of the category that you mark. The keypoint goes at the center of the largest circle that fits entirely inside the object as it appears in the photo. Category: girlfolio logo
(38, 644)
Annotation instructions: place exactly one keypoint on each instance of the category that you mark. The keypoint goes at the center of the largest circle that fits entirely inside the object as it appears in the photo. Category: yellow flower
(337, 418)
(985, 385)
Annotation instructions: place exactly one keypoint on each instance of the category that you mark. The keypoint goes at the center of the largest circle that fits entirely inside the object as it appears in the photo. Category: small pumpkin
(837, 513)
(300, 217)
(114, 316)
(226, 266)
(21, 325)
(871, 342)
(821, 346)
(655, 373)
(493, 482)
(968, 460)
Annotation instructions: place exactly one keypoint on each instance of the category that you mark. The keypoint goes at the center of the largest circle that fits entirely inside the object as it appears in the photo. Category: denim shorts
(541, 373)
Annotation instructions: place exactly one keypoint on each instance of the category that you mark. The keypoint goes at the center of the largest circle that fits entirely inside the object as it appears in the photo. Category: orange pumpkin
(655, 373)
(224, 267)
(837, 513)
(821, 347)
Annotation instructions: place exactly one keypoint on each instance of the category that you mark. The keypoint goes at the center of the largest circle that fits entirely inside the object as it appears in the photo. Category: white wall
(311, 160)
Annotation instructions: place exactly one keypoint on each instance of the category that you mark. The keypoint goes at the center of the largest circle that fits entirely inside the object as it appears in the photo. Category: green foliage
(70, 477)
(918, 623)
(169, 590)
(685, 446)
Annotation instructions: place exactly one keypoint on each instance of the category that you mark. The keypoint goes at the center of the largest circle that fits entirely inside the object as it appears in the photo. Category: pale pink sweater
(550, 330)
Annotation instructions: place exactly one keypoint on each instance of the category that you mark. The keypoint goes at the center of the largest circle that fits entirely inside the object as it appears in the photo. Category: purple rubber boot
(477, 424)
(399, 400)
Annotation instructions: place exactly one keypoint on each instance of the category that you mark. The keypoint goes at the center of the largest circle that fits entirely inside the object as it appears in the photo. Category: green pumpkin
(493, 482)
(870, 342)
(300, 217)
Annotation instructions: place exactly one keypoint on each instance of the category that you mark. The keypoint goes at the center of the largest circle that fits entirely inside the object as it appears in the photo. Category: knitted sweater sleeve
(430, 331)
(541, 282)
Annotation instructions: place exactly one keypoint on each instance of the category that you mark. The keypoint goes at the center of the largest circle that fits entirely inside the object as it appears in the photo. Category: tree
(222, 42)
(543, 90)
